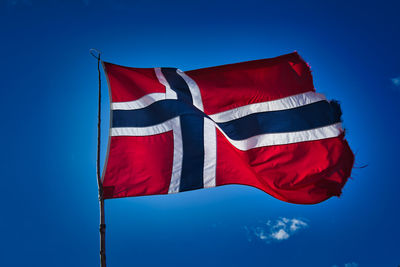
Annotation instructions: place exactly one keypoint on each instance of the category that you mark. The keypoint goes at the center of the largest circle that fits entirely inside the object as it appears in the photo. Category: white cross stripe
(194, 90)
(289, 102)
(210, 153)
(177, 159)
(142, 102)
(169, 93)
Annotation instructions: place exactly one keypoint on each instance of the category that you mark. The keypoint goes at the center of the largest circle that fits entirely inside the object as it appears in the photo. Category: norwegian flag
(258, 123)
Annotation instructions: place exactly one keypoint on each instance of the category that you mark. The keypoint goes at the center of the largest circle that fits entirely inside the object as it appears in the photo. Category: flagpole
(102, 228)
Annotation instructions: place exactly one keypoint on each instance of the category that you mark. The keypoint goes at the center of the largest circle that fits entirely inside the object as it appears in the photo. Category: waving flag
(258, 123)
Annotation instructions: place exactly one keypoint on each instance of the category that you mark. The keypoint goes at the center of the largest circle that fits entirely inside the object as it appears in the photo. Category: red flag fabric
(258, 123)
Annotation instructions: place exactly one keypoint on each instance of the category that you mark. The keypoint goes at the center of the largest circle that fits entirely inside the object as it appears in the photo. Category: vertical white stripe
(177, 132)
(194, 89)
(178, 157)
(169, 93)
(210, 154)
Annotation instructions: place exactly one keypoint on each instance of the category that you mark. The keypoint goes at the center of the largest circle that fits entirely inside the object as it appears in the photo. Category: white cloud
(280, 223)
(280, 235)
(276, 230)
(260, 233)
(396, 81)
(350, 264)
(297, 224)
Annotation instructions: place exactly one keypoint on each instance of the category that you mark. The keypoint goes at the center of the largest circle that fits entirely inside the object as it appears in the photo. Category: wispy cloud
(351, 264)
(396, 81)
(297, 224)
(275, 230)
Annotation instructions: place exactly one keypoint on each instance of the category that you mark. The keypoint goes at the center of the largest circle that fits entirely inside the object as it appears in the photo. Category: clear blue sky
(49, 207)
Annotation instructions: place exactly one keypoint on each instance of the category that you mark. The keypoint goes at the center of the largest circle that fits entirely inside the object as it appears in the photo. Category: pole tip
(95, 53)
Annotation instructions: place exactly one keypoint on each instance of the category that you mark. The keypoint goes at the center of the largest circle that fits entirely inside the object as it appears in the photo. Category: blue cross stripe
(192, 127)
(306, 117)
(315, 115)
(311, 116)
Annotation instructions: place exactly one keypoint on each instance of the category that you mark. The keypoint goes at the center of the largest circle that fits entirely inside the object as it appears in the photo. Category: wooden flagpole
(99, 183)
